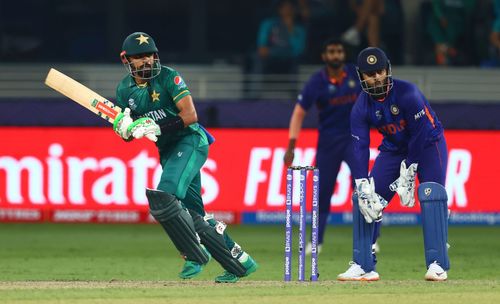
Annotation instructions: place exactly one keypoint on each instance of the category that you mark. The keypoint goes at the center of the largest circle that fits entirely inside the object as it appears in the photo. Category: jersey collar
(335, 81)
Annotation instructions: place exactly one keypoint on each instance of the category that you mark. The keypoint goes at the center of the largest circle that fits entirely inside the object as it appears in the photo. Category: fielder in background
(156, 101)
(333, 89)
(413, 143)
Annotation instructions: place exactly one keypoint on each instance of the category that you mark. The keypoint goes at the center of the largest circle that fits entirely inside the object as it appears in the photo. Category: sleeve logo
(420, 114)
(178, 80)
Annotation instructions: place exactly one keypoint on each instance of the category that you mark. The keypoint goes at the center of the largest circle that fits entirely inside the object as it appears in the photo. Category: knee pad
(178, 224)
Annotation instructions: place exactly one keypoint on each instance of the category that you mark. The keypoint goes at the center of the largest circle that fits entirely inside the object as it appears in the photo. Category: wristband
(172, 124)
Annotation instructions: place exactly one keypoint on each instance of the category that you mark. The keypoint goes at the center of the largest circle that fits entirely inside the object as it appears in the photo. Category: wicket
(302, 222)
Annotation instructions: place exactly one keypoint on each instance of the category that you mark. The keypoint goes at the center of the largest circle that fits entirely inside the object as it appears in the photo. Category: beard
(335, 64)
(144, 71)
(378, 91)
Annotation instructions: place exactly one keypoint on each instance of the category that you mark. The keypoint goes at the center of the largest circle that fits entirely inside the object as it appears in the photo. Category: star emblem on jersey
(372, 59)
(394, 110)
(351, 83)
(155, 96)
(142, 39)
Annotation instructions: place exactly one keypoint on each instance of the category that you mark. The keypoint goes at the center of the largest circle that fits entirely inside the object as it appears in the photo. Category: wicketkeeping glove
(405, 184)
(370, 203)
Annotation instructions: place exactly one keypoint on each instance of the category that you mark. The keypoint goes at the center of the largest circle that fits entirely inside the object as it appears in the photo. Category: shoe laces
(353, 265)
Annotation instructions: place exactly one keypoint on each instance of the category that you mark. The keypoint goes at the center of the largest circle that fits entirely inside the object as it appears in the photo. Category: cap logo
(372, 59)
(142, 39)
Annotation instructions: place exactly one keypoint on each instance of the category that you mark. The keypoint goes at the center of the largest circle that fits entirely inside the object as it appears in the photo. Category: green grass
(60, 263)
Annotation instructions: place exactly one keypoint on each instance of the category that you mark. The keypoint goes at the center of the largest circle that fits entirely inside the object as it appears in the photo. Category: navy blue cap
(372, 59)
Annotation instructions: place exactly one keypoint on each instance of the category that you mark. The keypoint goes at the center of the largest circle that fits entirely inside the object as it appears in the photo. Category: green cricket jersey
(157, 100)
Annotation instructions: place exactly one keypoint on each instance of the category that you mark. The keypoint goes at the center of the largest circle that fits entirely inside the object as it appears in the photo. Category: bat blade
(82, 95)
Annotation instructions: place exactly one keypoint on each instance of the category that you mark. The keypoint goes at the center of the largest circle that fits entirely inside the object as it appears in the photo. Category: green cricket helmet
(137, 44)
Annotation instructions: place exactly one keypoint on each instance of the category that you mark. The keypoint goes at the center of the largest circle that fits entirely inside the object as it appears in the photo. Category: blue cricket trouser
(331, 151)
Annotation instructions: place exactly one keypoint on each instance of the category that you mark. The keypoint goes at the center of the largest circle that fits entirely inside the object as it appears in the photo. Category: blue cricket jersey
(404, 118)
(333, 99)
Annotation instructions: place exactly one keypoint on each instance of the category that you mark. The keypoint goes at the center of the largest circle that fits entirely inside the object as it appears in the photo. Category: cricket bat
(82, 95)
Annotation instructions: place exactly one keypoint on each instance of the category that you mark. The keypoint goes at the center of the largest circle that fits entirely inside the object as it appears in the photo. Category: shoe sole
(190, 276)
(252, 269)
(432, 279)
(358, 280)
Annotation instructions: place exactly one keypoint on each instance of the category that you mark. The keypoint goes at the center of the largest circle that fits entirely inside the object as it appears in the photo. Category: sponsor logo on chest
(156, 114)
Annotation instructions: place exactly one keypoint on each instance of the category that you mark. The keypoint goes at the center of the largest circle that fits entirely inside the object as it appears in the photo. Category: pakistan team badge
(142, 39)
(394, 110)
(155, 96)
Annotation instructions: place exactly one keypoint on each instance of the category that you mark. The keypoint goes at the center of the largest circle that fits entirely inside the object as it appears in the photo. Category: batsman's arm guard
(178, 224)
(213, 239)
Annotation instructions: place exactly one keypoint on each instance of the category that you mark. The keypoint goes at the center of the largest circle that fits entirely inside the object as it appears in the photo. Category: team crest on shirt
(372, 59)
(131, 104)
(155, 96)
(394, 110)
(332, 89)
(378, 115)
(351, 83)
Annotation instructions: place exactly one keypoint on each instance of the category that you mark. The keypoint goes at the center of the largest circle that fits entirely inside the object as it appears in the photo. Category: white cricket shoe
(356, 273)
(309, 248)
(436, 273)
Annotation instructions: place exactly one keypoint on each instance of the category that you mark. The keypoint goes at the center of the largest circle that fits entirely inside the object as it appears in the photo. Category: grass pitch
(84, 263)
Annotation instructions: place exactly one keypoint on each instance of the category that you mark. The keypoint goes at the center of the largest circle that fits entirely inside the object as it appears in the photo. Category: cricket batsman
(413, 145)
(157, 104)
